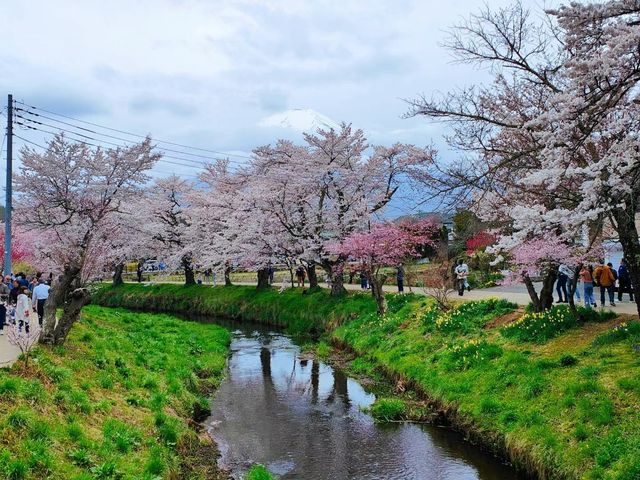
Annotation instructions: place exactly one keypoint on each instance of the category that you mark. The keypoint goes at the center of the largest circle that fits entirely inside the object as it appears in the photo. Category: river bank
(563, 406)
(120, 399)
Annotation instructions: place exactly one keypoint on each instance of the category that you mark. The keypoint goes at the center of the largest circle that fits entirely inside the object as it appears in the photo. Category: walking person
(605, 278)
(4, 299)
(570, 275)
(624, 281)
(400, 278)
(587, 282)
(15, 291)
(462, 273)
(23, 309)
(300, 276)
(139, 271)
(39, 298)
(561, 287)
(364, 283)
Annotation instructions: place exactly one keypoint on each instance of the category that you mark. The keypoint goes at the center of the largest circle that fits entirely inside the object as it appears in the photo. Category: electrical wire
(132, 134)
(30, 142)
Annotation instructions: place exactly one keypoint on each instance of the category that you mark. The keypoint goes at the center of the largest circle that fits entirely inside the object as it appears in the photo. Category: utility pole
(9, 188)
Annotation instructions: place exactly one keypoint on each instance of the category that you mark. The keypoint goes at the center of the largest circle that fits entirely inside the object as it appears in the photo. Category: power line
(88, 137)
(132, 134)
(100, 133)
(280, 176)
(30, 142)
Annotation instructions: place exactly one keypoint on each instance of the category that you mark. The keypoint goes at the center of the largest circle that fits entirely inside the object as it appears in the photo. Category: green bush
(259, 472)
(388, 409)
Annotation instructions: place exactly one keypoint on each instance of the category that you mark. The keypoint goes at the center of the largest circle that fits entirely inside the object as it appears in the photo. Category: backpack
(614, 273)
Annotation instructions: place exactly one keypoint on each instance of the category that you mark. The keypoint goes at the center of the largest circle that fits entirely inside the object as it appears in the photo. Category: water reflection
(302, 420)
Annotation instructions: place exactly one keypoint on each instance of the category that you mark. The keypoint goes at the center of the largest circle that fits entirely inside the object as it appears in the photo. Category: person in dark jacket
(561, 287)
(400, 278)
(624, 281)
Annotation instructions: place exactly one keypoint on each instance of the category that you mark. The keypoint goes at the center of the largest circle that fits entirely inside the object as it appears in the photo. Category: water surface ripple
(302, 419)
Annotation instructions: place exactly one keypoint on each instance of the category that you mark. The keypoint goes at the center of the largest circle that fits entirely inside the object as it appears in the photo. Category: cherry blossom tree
(550, 147)
(66, 195)
(327, 189)
(385, 245)
(165, 211)
(22, 245)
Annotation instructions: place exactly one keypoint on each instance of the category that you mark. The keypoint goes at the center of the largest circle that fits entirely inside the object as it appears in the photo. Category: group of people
(603, 275)
(20, 296)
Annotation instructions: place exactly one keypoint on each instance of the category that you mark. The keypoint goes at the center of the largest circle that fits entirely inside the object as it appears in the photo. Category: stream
(302, 419)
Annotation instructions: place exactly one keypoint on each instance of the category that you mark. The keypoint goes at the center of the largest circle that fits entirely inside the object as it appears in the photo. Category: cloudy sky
(225, 75)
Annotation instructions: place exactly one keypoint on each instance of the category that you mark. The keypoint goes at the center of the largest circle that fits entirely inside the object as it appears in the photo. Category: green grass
(115, 402)
(558, 410)
(540, 327)
(562, 403)
(311, 313)
(259, 472)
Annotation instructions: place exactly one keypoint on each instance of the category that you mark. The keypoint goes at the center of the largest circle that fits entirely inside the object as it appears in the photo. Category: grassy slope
(115, 402)
(565, 407)
(310, 313)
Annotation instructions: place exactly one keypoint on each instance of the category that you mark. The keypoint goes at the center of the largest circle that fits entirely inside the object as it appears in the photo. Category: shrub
(388, 409)
(489, 405)
(17, 470)
(122, 436)
(259, 472)
(18, 419)
(568, 360)
(80, 457)
(156, 464)
(104, 471)
(9, 387)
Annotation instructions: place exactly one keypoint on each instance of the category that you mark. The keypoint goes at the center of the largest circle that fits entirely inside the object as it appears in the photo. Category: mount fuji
(299, 119)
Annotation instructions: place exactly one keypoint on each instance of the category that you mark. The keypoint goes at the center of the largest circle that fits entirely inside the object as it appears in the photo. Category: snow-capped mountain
(299, 119)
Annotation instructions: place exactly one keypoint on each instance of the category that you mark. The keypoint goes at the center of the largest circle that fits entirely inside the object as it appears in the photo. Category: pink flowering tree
(66, 196)
(23, 340)
(540, 258)
(22, 245)
(480, 241)
(385, 245)
(551, 143)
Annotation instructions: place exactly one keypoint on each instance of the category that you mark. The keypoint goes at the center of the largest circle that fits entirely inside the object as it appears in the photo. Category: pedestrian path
(8, 353)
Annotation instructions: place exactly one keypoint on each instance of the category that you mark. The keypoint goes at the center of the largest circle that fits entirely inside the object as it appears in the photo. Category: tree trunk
(535, 300)
(334, 270)
(628, 236)
(117, 275)
(378, 293)
(312, 275)
(543, 301)
(291, 276)
(573, 285)
(189, 275)
(263, 278)
(227, 276)
(66, 294)
(546, 293)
